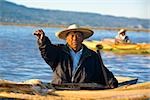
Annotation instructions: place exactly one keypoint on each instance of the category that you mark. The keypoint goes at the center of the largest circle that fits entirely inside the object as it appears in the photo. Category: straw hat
(63, 34)
(122, 30)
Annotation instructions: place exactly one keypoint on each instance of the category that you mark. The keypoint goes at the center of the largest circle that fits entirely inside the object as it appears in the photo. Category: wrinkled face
(74, 40)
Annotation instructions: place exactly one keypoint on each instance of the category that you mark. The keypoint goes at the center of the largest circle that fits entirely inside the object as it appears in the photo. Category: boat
(36, 89)
(35, 86)
(126, 48)
(27, 86)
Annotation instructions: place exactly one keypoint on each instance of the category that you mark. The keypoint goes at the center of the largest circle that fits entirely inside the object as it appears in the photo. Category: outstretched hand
(39, 34)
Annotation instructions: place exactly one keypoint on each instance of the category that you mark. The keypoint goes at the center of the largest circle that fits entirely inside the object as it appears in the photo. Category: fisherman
(122, 37)
(74, 62)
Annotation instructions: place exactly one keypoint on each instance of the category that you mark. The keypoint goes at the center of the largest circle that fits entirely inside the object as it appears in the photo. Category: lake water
(20, 58)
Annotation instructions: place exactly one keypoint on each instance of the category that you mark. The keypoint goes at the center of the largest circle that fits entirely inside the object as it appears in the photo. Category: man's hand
(39, 34)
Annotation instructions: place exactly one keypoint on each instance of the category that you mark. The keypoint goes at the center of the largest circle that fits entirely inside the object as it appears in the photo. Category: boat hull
(139, 48)
(135, 91)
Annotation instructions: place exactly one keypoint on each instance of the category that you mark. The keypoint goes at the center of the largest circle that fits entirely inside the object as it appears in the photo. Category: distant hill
(10, 12)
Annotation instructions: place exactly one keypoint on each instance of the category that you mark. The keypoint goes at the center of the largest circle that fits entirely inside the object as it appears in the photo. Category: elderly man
(74, 62)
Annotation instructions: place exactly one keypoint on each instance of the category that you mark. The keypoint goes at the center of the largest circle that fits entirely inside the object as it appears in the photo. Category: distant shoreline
(92, 27)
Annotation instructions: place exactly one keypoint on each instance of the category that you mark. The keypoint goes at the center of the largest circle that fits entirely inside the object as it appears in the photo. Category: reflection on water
(20, 59)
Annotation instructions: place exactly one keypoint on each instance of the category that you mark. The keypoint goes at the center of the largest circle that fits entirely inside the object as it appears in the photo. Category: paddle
(98, 48)
(79, 86)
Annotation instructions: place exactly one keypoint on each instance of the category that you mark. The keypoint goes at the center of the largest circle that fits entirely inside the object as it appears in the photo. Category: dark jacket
(89, 68)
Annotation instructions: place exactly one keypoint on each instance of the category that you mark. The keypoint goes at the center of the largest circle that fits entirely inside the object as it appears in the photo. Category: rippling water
(20, 58)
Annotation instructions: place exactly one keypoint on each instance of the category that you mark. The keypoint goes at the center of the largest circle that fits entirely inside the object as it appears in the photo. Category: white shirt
(120, 37)
(75, 57)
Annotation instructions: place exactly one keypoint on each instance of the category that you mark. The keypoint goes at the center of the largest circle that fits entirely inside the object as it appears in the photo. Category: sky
(121, 8)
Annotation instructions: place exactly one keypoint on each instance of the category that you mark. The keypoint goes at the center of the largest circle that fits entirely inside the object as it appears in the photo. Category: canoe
(105, 45)
(135, 91)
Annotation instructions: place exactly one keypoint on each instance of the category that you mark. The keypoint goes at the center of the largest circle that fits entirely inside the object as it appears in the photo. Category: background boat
(108, 45)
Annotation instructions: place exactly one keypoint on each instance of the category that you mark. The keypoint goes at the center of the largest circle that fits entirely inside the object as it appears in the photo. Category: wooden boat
(109, 45)
(30, 86)
(124, 91)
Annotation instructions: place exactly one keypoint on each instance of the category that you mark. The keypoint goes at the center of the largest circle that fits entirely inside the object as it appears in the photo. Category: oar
(98, 47)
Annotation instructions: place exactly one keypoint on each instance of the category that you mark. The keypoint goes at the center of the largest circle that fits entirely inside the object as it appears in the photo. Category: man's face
(123, 33)
(74, 40)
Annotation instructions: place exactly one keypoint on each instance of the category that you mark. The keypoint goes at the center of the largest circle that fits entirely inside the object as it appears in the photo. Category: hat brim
(121, 31)
(86, 33)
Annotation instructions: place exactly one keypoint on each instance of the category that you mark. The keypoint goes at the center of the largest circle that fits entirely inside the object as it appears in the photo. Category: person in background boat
(74, 62)
(122, 37)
